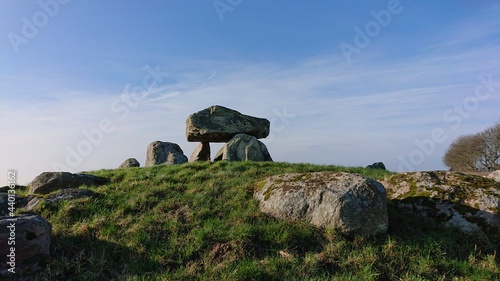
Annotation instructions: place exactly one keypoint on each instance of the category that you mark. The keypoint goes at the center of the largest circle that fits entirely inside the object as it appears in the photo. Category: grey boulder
(169, 153)
(131, 162)
(243, 148)
(220, 124)
(32, 244)
(349, 203)
(47, 182)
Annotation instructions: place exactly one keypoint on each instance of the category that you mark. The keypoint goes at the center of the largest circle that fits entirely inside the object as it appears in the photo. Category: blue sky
(103, 79)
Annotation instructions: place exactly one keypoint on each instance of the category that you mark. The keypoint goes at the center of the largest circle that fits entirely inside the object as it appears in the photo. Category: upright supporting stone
(243, 148)
(201, 153)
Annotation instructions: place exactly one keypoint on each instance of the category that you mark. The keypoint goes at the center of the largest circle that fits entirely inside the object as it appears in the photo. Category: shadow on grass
(88, 258)
(422, 219)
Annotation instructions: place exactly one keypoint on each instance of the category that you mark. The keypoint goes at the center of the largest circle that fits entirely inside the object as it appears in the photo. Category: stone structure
(221, 124)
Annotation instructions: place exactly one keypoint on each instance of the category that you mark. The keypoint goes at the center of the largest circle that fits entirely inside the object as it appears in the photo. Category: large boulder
(131, 162)
(201, 153)
(220, 124)
(468, 202)
(47, 182)
(349, 203)
(160, 152)
(32, 236)
(243, 148)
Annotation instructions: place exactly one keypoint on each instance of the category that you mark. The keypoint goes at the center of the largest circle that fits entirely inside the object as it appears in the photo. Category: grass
(199, 222)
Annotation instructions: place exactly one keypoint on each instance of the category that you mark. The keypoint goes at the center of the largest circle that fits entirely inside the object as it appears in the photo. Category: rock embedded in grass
(468, 202)
(47, 182)
(349, 203)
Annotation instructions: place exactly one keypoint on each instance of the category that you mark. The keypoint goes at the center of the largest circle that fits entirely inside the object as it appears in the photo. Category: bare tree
(461, 156)
(475, 152)
(490, 148)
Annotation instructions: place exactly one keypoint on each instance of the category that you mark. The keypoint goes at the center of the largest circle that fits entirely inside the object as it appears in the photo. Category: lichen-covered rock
(243, 148)
(495, 176)
(349, 203)
(220, 124)
(32, 245)
(160, 152)
(131, 162)
(47, 182)
(468, 202)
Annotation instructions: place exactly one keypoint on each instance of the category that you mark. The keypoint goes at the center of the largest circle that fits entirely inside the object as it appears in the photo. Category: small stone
(131, 162)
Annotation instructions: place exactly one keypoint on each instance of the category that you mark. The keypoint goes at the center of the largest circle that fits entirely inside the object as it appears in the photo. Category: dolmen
(240, 132)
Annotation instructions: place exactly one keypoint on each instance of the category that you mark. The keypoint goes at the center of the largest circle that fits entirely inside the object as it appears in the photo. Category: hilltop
(199, 221)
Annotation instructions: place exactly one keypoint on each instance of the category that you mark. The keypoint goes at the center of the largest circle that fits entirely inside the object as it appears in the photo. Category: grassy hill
(199, 222)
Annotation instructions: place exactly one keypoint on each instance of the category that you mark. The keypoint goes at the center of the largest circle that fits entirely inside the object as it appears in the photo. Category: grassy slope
(199, 222)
